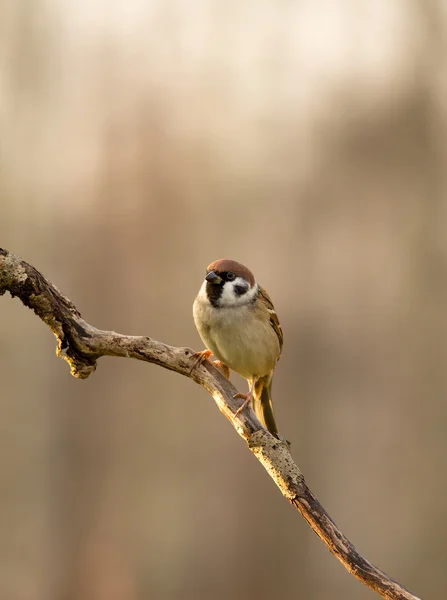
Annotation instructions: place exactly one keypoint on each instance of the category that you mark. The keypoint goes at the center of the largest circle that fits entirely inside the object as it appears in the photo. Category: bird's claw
(200, 357)
(222, 368)
(247, 399)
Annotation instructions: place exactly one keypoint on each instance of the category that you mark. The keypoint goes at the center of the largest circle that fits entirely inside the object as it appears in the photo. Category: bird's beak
(213, 277)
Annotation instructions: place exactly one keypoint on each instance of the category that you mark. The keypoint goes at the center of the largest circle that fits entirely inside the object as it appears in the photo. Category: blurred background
(141, 140)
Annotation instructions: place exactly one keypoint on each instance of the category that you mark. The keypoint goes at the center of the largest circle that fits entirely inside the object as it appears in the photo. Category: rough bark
(81, 345)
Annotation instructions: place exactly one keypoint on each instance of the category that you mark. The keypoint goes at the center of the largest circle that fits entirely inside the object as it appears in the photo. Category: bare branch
(81, 345)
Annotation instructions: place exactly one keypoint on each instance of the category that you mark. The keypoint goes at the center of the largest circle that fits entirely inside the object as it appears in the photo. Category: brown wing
(274, 321)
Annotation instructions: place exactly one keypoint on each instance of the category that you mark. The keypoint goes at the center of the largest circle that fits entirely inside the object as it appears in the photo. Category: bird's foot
(222, 368)
(200, 357)
(247, 399)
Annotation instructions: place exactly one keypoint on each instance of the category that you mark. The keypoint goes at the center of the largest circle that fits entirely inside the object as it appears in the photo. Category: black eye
(230, 276)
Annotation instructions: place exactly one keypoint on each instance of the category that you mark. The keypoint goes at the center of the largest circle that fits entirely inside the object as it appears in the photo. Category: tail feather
(262, 404)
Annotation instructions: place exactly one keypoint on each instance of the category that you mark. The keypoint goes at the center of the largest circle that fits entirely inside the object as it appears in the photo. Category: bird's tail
(262, 404)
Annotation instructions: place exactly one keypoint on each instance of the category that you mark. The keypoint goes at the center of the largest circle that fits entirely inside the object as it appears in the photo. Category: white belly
(246, 347)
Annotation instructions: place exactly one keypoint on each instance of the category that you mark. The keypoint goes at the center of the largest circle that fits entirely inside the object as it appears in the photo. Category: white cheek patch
(229, 296)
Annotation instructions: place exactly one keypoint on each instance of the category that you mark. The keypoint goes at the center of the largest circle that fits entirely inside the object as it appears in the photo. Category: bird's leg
(200, 357)
(247, 397)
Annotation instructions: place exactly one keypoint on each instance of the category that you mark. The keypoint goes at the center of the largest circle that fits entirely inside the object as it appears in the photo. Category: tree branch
(81, 345)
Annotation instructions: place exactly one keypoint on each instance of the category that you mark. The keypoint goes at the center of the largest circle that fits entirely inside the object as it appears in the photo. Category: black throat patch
(214, 292)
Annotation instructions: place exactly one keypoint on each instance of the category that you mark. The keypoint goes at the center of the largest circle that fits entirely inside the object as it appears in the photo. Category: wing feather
(274, 321)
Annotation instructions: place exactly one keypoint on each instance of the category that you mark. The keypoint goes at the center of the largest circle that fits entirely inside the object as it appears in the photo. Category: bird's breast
(235, 336)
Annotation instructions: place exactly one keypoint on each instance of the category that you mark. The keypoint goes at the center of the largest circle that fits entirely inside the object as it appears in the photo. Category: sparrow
(238, 325)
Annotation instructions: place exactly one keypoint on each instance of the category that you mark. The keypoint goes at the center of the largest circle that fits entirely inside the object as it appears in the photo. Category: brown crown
(225, 264)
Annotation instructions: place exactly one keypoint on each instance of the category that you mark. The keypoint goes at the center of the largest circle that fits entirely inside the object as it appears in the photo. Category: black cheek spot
(240, 289)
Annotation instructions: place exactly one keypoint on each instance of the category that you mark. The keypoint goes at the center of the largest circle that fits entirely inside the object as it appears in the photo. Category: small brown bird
(238, 324)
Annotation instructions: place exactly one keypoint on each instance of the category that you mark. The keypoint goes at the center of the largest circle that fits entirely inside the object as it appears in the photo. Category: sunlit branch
(81, 345)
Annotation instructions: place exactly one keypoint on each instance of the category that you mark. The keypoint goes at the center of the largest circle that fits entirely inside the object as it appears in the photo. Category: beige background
(141, 140)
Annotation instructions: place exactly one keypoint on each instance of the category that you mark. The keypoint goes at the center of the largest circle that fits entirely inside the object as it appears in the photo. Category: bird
(238, 324)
